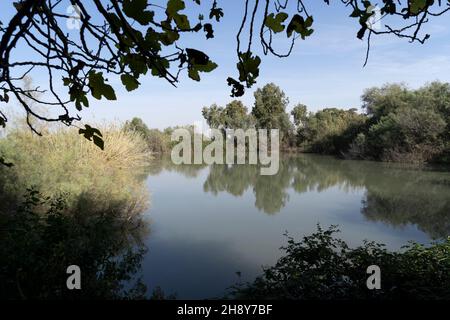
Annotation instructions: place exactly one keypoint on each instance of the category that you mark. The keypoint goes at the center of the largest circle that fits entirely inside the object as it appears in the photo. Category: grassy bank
(61, 162)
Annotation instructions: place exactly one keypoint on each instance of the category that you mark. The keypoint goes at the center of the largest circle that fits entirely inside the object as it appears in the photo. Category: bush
(157, 142)
(40, 240)
(324, 267)
(63, 162)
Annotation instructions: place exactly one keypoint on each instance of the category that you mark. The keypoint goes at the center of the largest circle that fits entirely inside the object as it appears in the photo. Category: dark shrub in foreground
(324, 267)
(40, 240)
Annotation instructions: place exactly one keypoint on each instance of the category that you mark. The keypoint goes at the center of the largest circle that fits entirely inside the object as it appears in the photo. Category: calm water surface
(209, 222)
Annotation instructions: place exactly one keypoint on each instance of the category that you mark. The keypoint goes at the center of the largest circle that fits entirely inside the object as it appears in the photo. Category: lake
(210, 222)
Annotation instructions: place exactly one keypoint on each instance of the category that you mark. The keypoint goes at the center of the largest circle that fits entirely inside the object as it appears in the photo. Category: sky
(325, 70)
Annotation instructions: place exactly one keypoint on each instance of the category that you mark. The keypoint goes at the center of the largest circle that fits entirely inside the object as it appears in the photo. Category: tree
(132, 38)
(407, 125)
(300, 114)
(236, 115)
(269, 111)
(270, 104)
(331, 130)
(233, 116)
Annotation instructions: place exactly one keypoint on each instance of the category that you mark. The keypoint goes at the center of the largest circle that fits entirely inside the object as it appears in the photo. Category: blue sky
(326, 70)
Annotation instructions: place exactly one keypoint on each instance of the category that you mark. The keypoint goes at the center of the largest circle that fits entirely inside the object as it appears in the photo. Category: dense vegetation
(43, 236)
(133, 39)
(321, 266)
(398, 124)
(59, 162)
(67, 202)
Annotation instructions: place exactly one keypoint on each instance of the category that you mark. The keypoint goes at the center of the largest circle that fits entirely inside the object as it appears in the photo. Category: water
(207, 223)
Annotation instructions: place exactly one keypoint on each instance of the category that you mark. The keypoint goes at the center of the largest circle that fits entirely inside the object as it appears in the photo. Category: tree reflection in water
(43, 237)
(395, 194)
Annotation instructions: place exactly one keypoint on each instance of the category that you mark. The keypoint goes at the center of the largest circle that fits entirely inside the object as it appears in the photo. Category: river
(213, 226)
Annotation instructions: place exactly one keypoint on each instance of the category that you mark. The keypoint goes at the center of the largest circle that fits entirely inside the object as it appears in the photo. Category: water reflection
(393, 194)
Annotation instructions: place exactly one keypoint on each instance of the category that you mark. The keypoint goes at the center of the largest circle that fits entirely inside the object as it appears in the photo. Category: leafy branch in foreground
(321, 266)
(130, 39)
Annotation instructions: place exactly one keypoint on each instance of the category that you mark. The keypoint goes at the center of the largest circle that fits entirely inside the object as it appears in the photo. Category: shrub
(62, 162)
(323, 267)
(40, 240)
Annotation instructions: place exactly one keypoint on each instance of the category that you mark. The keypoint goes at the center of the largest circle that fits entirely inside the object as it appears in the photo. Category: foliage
(158, 142)
(407, 125)
(233, 116)
(60, 162)
(321, 266)
(268, 112)
(300, 115)
(40, 240)
(132, 39)
(330, 130)
(399, 124)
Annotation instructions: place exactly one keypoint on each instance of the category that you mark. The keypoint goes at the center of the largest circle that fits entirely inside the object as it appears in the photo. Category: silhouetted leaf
(93, 134)
(99, 88)
(238, 89)
(300, 26)
(248, 68)
(209, 30)
(275, 23)
(136, 9)
(130, 82)
(216, 12)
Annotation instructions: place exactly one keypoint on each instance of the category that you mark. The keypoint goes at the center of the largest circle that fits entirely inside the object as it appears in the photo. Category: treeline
(397, 123)
(157, 142)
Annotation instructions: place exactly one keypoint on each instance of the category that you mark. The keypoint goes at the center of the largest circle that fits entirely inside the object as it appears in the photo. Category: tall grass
(63, 162)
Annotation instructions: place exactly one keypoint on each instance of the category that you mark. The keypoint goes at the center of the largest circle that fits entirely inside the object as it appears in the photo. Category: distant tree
(138, 125)
(214, 116)
(236, 115)
(408, 125)
(331, 130)
(270, 105)
(157, 142)
(233, 116)
(300, 114)
(379, 102)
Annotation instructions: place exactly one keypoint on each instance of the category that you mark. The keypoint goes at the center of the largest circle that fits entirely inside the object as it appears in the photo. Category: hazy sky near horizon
(326, 70)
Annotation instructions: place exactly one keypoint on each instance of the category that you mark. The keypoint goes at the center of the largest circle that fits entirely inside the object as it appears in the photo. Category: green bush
(40, 240)
(61, 162)
(323, 267)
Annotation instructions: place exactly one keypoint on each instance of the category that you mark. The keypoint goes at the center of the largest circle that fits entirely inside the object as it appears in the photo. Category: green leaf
(301, 26)
(216, 13)
(238, 89)
(198, 61)
(93, 134)
(275, 23)
(130, 82)
(248, 67)
(98, 142)
(417, 6)
(136, 9)
(209, 30)
(99, 88)
(173, 6)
